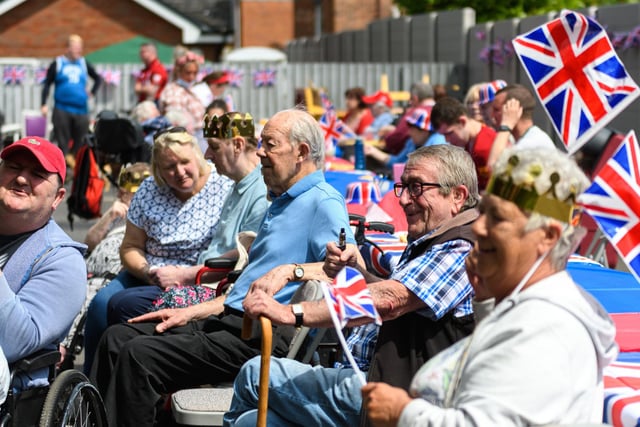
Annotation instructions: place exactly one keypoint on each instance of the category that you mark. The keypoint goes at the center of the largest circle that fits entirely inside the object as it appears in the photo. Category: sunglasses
(173, 129)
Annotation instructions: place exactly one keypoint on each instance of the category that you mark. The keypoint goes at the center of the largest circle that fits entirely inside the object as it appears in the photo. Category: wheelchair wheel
(73, 401)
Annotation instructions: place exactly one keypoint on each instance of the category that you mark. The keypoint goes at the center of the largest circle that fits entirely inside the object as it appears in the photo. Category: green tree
(494, 10)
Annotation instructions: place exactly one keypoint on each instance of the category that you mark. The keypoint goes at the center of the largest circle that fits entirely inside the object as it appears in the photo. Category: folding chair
(206, 406)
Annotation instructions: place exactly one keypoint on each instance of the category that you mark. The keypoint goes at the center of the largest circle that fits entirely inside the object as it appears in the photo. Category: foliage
(495, 10)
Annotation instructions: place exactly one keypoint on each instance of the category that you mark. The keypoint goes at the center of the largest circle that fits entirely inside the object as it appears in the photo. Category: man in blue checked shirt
(425, 304)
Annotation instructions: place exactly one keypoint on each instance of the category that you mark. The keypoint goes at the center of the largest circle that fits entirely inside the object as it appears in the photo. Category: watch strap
(299, 313)
(504, 128)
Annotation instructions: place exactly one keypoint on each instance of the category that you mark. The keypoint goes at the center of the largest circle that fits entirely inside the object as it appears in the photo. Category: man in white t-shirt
(512, 111)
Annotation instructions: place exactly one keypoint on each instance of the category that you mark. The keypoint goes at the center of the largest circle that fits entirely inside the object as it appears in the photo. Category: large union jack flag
(577, 76)
(613, 200)
(14, 74)
(349, 298)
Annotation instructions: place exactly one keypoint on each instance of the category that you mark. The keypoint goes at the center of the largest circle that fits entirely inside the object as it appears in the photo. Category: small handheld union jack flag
(14, 75)
(613, 200)
(349, 298)
(577, 76)
(264, 78)
(334, 130)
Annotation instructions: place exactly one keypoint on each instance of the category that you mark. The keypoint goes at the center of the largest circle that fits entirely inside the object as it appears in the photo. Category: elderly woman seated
(171, 220)
(537, 356)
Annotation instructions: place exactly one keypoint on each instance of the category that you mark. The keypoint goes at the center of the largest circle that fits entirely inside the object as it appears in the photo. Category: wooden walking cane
(265, 360)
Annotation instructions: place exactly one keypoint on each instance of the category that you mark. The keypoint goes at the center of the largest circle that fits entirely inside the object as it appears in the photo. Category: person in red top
(358, 116)
(450, 118)
(153, 76)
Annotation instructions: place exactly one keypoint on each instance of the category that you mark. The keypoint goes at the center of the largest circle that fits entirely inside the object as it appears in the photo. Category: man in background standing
(153, 76)
(69, 73)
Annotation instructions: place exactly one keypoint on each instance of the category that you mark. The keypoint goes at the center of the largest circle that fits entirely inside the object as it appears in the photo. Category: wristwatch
(299, 313)
(298, 272)
(504, 128)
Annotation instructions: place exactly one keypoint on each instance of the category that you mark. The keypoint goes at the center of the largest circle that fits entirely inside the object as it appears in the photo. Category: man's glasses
(174, 129)
(415, 188)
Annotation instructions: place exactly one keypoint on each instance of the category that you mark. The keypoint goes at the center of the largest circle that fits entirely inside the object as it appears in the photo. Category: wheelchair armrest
(220, 263)
(38, 360)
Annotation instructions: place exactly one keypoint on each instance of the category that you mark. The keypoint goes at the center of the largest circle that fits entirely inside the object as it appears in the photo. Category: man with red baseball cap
(43, 280)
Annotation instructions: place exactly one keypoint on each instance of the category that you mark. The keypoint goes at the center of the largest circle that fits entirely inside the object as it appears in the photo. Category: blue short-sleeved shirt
(295, 229)
(177, 231)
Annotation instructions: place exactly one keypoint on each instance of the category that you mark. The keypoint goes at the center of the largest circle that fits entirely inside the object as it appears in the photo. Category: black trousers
(135, 366)
(68, 126)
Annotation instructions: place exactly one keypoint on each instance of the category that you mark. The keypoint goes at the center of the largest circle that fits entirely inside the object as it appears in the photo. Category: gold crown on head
(520, 184)
(229, 125)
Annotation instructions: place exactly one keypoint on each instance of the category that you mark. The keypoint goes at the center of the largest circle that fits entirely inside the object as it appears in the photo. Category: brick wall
(39, 28)
(275, 22)
(267, 23)
(357, 14)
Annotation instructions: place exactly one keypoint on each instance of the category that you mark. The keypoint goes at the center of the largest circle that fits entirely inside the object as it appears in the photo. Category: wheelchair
(69, 399)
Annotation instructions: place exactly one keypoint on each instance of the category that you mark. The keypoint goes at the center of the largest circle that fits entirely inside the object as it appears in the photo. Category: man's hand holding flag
(348, 297)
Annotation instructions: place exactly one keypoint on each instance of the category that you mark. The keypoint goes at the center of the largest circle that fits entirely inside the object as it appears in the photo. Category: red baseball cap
(48, 155)
(379, 96)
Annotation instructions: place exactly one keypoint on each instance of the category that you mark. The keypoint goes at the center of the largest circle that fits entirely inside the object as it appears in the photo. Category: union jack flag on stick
(613, 200)
(334, 130)
(349, 298)
(577, 76)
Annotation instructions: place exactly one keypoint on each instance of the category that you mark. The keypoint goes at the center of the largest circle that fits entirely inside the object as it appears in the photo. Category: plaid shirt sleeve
(361, 342)
(438, 278)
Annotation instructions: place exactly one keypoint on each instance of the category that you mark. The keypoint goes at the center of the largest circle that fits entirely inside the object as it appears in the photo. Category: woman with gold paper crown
(537, 356)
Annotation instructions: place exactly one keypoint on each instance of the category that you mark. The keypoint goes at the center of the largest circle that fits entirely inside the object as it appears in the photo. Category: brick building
(39, 28)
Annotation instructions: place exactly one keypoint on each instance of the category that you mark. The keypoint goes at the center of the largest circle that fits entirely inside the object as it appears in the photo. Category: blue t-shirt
(295, 229)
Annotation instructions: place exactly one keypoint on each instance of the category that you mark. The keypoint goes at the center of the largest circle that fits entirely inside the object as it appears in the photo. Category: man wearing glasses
(425, 304)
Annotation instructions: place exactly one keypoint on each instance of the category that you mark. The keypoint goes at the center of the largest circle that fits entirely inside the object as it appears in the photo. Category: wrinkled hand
(384, 403)
(274, 280)
(471, 265)
(511, 113)
(336, 259)
(259, 303)
(168, 318)
(166, 276)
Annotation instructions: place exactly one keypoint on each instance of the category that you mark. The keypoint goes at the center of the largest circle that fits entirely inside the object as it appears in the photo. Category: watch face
(298, 272)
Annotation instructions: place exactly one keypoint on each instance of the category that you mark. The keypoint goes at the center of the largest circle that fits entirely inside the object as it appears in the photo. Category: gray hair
(144, 111)
(455, 167)
(305, 128)
(421, 90)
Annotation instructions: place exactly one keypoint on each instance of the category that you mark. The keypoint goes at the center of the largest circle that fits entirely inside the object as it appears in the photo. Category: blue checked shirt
(361, 342)
(437, 277)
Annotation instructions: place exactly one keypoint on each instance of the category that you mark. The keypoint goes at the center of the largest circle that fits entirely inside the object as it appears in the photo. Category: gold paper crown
(229, 125)
(527, 198)
(131, 180)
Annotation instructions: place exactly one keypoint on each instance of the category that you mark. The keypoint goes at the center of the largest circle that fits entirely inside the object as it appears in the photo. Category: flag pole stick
(343, 342)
